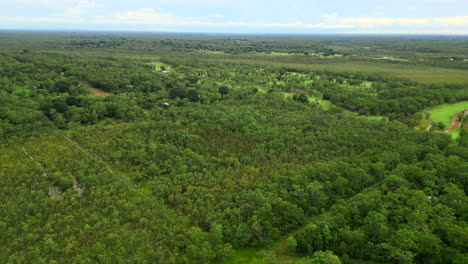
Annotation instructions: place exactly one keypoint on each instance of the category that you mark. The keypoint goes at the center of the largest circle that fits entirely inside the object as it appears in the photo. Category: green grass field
(444, 113)
(284, 253)
(422, 74)
(211, 51)
(373, 117)
(419, 74)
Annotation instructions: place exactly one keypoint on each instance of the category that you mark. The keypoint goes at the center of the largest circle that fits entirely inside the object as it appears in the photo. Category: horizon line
(223, 33)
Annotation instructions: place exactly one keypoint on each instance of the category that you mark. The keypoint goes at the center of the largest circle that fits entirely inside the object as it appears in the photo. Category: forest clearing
(99, 92)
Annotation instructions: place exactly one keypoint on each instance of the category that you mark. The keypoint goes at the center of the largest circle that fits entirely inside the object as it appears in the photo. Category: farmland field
(422, 74)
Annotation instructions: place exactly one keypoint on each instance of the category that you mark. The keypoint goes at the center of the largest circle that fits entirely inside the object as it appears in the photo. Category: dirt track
(455, 123)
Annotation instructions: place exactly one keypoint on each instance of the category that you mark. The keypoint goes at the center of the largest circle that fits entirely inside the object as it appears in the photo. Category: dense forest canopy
(177, 148)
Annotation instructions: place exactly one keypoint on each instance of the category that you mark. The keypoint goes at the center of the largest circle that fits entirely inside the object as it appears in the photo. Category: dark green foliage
(301, 98)
(223, 90)
(192, 95)
(62, 86)
(179, 92)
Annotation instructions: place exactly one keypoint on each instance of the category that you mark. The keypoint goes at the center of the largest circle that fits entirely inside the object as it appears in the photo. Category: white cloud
(292, 25)
(366, 21)
(373, 21)
(147, 16)
(420, 21)
(452, 20)
(410, 31)
(152, 17)
(89, 12)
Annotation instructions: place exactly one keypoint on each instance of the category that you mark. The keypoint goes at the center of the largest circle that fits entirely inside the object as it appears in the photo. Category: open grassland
(446, 112)
(422, 74)
(419, 74)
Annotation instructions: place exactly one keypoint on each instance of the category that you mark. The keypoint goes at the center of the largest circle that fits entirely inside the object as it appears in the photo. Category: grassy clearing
(454, 133)
(280, 250)
(373, 117)
(284, 54)
(327, 105)
(324, 104)
(146, 188)
(22, 92)
(367, 85)
(245, 256)
(285, 254)
(211, 51)
(275, 53)
(159, 66)
(444, 113)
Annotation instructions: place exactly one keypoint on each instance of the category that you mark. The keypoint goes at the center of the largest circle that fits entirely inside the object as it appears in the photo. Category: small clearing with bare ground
(99, 92)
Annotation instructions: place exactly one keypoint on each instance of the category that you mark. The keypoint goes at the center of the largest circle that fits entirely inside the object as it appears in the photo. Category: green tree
(223, 90)
(177, 92)
(301, 98)
(193, 95)
(321, 257)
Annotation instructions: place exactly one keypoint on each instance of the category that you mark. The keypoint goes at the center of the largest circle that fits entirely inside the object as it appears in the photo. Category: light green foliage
(321, 257)
(325, 257)
(292, 243)
(159, 66)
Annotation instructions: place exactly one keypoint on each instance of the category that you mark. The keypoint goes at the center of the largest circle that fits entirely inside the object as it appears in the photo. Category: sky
(240, 16)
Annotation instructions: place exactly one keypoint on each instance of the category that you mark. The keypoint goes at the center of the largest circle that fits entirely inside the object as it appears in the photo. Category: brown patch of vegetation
(99, 92)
